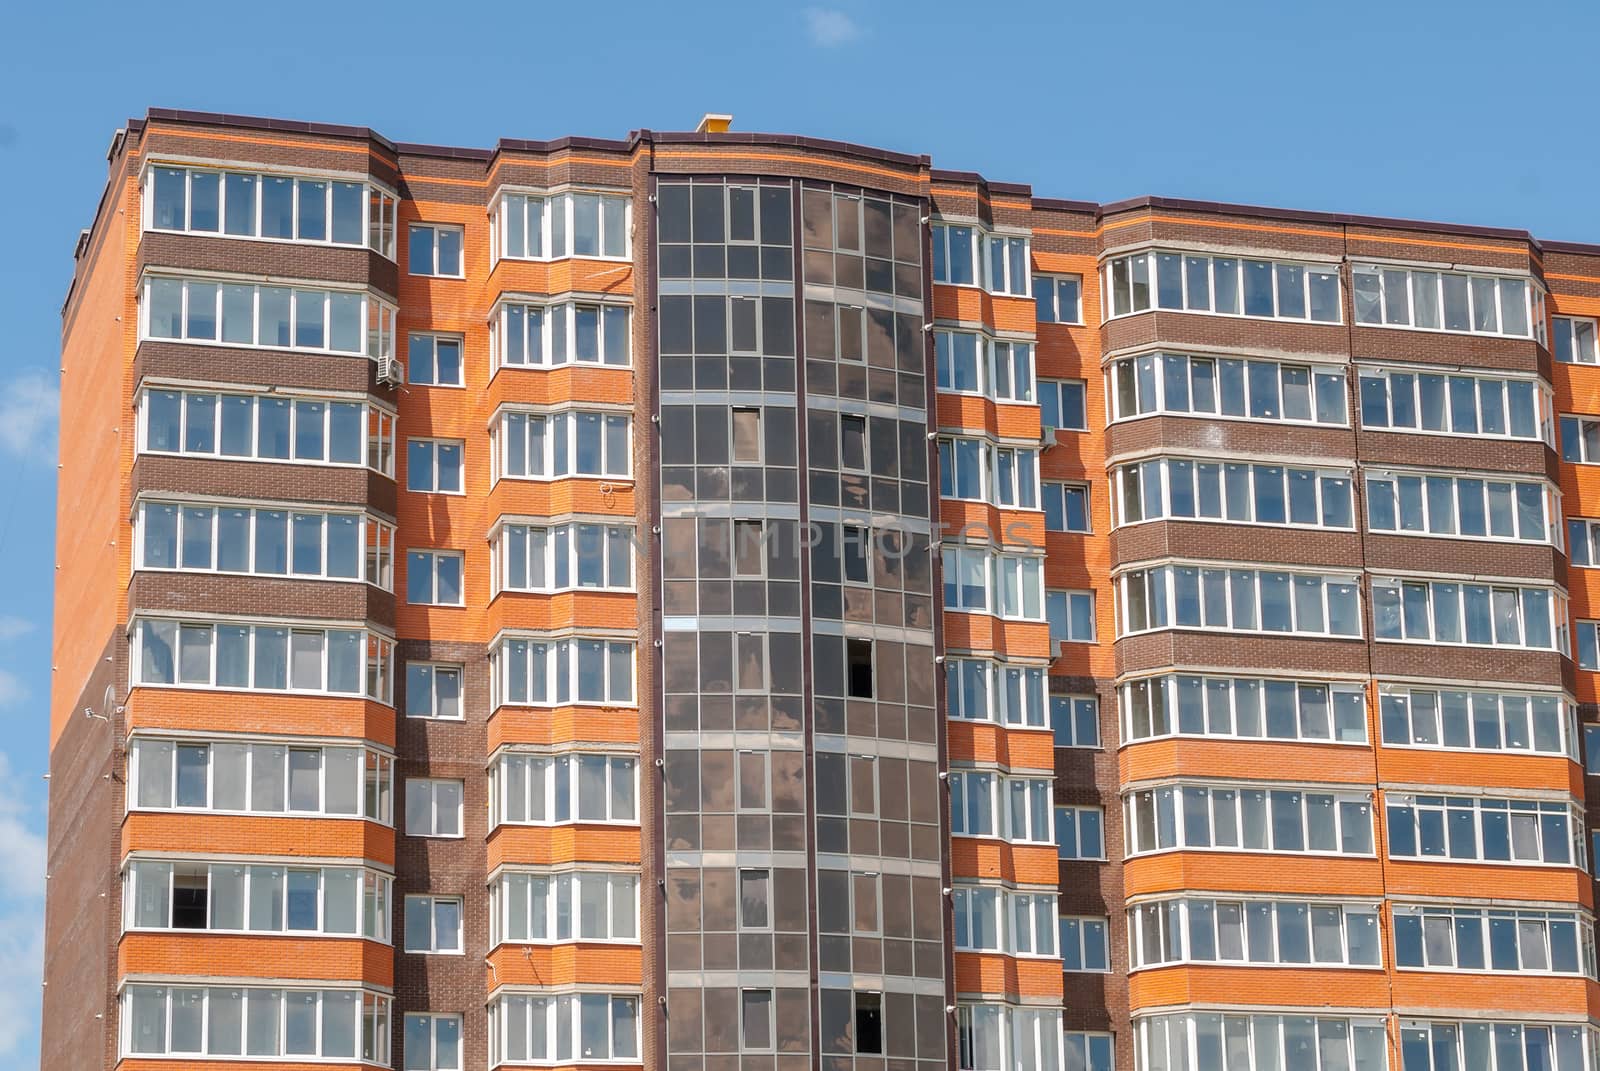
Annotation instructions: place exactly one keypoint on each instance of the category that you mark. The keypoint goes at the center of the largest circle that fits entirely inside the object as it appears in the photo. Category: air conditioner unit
(1047, 436)
(1055, 649)
(391, 372)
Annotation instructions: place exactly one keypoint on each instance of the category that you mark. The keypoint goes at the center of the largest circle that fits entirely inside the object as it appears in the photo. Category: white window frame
(379, 447)
(1132, 484)
(376, 654)
(1555, 612)
(548, 795)
(1379, 274)
(1573, 339)
(1543, 400)
(434, 469)
(375, 328)
(434, 672)
(1148, 373)
(562, 424)
(434, 231)
(434, 338)
(557, 322)
(1147, 263)
(428, 904)
(415, 556)
(1055, 281)
(433, 787)
(1165, 701)
(560, 667)
(374, 788)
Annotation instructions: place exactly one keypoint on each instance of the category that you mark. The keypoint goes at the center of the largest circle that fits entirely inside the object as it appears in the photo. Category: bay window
(1239, 600)
(1454, 719)
(1194, 817)
(227, 313)
(565, 557)
(573, 224)
(1395, 296)
(539, 789)
(1441, 1045)
(543, 446)
(1455, 612)
(1257, 932)
(1439, 937)
(981, 690)
(1221, 286)
(237, 204)
(1233, 491)
(238, 897)
(539, 908)
(267, 542)
(1243, 707)
(1468, 507)
(1262, 1042)
(524, 335)
(1176, 384)
(204, 654)
(528, 672)
(993, 919)
(266, 428)
(580, 1028)
(1454, 404)
(1475, 829)
(233, 1021)
(260, 778)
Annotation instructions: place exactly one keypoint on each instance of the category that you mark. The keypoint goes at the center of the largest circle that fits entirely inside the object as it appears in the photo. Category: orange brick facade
(115, 825)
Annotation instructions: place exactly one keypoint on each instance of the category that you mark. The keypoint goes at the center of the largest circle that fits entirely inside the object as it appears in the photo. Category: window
(1269, 932)
(988, 805)
(541, 908)
(976, 364)
(980, 690)
(1016, 477)
(1388, 296)
(547, 336)
(1210, 387)
(241, 314)
(1436, 404)
(1472, 939)
(995, 1037)
(577, 224)
(539, 446)
(431, 1042)
(569, 556)
(1580, 440)
(433, 690)
(331, 1024)
(1006, 264)
(1066, 507)
(433, 808)
(1573, 340)
(433, 578)
(755, 1020)
(1303, 1042)
(1476, 721)
(1245, 707)
(1084, 944)
(256, 778)
(858, 668)
(1202, 817)
(955, 254)
(1017, 581)
(1080, 832)
(559, 672)
(271, 207)
(267, 428)
(238, 898)
(559, 789)
(1059, 298)
(1071, 616)
(1241, 600)
(1464, 507)
(1061, 404)
(1076, 719)
(267, 542)
(1441, 1046)
(435, 249)
(965, 469)
(1223, 286)
(1447, 611)
(1087, 1051)
(575, 1028)
(433, 465)
(852, 1021)
(1484, 830)
(204, 654)
(991, 919)
(433, 923)
(435, 360)
(1237, 492)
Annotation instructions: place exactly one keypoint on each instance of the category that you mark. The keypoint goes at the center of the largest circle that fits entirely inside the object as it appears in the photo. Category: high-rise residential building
(732, 602)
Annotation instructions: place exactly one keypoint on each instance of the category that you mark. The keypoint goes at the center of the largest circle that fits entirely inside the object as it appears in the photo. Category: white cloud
(12, 691)
(830, 27)
(29, 407)
(12, 627)
(21, 917)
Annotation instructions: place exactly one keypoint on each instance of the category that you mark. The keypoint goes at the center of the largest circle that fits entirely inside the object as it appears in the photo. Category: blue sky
(1466, 111)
